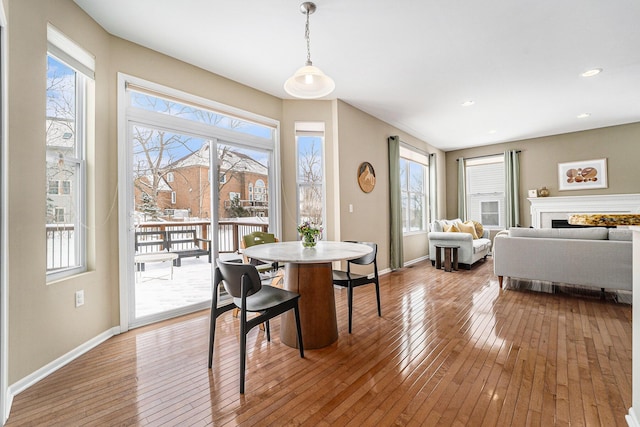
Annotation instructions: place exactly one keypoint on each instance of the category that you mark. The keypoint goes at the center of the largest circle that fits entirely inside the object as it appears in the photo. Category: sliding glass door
(198, 181)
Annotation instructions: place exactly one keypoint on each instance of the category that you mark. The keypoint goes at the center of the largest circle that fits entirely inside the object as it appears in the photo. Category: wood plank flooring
(451, 349)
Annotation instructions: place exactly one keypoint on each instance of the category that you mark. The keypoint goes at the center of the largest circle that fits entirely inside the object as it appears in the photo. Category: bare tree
(155, 150)
(310, 177)
(60, 138)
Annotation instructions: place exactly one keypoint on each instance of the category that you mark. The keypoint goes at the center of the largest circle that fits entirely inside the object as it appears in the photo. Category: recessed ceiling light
(468, 103)
(492, 131)
(583, 115)
(592, 72)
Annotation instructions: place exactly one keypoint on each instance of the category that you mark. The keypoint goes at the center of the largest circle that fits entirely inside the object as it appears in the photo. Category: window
(485, 190)
(413, 185)
(60, 215)
(65, 187)
(310, 172)
(260, 191)
(170, 177)
(173, 197)
(59, 187)
(490, 213)
(69, 85)
(53, 187)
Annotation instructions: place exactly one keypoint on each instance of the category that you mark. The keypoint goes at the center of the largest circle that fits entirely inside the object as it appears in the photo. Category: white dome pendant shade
(309, 82)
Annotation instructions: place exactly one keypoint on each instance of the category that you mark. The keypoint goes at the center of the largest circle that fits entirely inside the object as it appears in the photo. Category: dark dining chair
(350, 280)
(242, 282)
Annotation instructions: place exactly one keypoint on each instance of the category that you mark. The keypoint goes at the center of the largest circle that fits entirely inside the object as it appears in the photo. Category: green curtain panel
(395, 202)
(512, 187)
(462, 190)
(433, 188)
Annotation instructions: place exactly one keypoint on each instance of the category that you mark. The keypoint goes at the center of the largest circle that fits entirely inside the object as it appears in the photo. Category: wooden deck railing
(60, 238)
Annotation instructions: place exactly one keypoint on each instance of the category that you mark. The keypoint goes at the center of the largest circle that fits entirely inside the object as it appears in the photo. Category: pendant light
(309, 82)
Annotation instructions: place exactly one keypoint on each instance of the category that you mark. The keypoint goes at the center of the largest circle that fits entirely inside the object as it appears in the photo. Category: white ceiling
(412, 63)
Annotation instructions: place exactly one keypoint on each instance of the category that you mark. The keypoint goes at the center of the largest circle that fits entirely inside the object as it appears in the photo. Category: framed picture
(582, 175)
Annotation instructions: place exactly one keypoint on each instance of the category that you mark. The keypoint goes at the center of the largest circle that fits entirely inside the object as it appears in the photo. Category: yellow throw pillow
(451, 228)
(468, 227)
(479, 228)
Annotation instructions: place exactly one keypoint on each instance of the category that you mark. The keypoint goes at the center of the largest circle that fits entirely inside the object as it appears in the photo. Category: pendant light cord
(307, 36)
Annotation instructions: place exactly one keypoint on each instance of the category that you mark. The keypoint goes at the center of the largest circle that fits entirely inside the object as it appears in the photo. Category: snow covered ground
(157, 292)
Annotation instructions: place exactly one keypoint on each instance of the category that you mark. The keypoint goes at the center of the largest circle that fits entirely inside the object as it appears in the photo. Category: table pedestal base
(314, 282)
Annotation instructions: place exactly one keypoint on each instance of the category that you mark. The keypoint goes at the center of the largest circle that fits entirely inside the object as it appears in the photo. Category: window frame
(412, 156)
(312, 130)
(499, 197)
(67, 52)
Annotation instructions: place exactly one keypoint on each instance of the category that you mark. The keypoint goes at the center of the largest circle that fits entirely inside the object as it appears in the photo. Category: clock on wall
(366, 177)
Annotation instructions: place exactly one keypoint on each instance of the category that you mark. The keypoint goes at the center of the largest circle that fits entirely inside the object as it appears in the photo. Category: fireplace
(563, 223)
(544, 210)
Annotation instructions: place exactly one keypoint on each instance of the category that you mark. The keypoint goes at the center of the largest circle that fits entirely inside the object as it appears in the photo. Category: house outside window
(414, 173)
(69, 85)
(485, 190)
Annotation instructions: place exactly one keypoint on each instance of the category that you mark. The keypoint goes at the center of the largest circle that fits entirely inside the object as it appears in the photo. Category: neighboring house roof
(232, 160)
(148, 179)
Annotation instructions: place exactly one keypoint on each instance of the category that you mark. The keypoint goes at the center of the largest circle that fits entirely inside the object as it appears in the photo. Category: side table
(141, 259)
(450, 257)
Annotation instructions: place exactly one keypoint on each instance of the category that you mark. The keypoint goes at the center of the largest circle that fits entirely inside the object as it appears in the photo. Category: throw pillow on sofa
(451, 228)
(479, 228)
(468, 227)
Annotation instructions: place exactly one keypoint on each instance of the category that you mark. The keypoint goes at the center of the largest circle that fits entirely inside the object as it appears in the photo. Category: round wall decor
(366, 177)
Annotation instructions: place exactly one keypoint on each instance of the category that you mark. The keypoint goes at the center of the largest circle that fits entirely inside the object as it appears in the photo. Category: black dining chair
(242, 282)
(350, 280)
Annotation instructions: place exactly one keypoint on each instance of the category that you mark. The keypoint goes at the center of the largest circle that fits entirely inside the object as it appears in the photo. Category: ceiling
(413, 63)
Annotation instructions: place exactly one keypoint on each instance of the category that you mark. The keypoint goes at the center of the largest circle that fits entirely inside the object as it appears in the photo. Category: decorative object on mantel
(543, 192)
(310, 234)
(366, 177)
(582, 175)
(603, 220)
(533, 193)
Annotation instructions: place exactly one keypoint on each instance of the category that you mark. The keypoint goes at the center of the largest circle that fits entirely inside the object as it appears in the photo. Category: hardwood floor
(451, 349)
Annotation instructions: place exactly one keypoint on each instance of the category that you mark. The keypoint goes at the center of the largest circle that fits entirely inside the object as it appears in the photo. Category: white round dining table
(308, 272)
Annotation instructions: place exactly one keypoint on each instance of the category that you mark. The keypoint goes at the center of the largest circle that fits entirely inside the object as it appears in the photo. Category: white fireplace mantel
(545, 209)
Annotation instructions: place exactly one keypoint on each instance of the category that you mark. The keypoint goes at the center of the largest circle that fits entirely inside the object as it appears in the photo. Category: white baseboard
(417, 260)
(50, 368)
(631, 418)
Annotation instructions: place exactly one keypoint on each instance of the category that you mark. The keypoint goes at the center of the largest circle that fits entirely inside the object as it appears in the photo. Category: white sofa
(595, 256)
(471, 250)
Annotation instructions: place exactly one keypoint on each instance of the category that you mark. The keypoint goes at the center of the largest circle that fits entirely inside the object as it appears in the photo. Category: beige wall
(43, 321)
(540, 157)
(363, 138)
(305, 111)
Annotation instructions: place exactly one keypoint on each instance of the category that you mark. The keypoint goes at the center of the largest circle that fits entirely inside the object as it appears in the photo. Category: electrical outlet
(79, 298)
